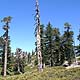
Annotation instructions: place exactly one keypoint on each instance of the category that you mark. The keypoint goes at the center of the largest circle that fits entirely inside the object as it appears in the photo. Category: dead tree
(38, 38)
(6, 20)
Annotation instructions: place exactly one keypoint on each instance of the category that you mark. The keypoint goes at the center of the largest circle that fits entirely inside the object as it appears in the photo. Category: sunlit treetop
(7, 19)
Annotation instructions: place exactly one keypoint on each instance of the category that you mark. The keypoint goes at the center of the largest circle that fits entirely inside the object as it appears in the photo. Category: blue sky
(23, 11)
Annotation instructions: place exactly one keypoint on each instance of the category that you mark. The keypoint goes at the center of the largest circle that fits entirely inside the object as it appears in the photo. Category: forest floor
(49, 73)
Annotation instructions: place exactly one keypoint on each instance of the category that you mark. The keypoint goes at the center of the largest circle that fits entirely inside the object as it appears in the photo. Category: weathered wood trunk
(5, 59)
(39, 52)
(38, 38)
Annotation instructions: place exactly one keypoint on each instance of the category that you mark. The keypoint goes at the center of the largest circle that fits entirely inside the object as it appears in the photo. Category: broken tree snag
(38, 38)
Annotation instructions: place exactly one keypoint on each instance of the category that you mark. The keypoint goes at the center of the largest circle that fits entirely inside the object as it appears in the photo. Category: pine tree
(1, 49)
(42, 45)
(56, 47)
(78, 46)
(68, 38)
(19, 62)
(48, 45)
(6, 48)
(29, 58)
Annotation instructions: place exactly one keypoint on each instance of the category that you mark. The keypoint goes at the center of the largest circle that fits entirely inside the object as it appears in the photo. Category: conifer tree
(68, 38)
(78, 46)
(6, 45)
(56, 47)
(48, 44)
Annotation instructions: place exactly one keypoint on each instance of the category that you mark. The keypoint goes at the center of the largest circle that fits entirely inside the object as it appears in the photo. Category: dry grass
(52, 73)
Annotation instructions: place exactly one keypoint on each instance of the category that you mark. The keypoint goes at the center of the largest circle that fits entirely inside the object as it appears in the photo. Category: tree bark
(5, 59)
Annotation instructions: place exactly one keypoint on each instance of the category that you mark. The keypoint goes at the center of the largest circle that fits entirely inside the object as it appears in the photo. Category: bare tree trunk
(38, 37)
(19, 68)
(5, 59)
(39, 51)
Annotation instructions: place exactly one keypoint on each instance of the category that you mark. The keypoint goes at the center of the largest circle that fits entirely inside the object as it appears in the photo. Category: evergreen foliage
(56, 48)
(19, 62)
